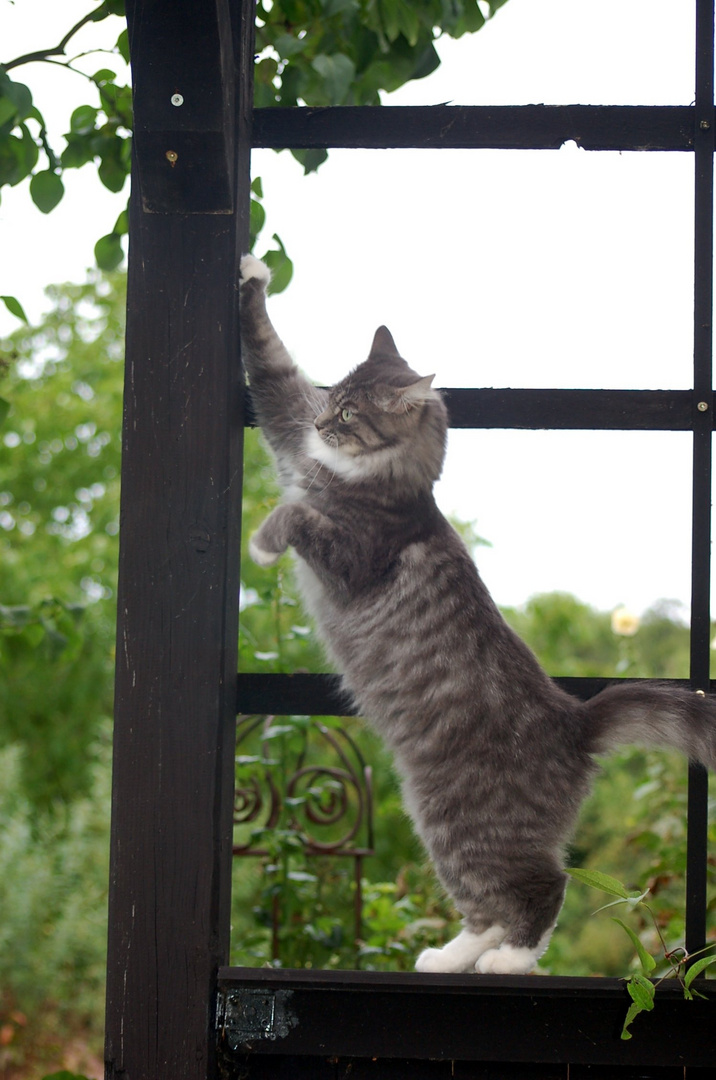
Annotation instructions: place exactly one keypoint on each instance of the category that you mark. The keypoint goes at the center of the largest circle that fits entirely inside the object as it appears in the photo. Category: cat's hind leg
(462, 953)
(512, 959)
(535, 905)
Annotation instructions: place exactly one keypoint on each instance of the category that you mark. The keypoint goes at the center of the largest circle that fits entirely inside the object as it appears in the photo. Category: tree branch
(59, 50)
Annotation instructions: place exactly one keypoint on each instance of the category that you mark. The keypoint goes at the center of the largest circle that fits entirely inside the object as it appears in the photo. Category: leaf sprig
(682, 965)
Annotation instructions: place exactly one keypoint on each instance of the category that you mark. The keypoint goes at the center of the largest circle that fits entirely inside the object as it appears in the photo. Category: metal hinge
(246, 1016)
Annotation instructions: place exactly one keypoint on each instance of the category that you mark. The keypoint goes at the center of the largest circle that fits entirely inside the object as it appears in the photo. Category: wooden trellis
(174, 1011)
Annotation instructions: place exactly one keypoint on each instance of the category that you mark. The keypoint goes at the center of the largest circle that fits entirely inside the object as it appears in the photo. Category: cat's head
(382, 420)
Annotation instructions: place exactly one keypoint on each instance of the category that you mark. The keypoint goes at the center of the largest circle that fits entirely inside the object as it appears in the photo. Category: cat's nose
(323, 419)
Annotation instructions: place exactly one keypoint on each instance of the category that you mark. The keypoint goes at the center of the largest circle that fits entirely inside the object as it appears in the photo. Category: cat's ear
(383, 344)
(404, 398)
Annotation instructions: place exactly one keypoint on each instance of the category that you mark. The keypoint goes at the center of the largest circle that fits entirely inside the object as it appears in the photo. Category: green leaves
(123, 46)
(697, 968)
(18, 156)
(108, 250)
(344, 52)
(256, 221)
(51, 623)
(14, 306)
(112, 170)
(276, 259)
(83, 120)
(311, 159)
(281, 267)
(46, 190)
(597, 880)
(337, 72)
(641, 991)
(15, 100)
(640, 988)
(324, 52)
(65, 1075)
(98, 132)
(646, 960)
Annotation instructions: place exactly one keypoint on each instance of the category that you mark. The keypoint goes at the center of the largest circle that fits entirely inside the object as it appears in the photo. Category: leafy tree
(53, 896)
(59, 493)
(99, 132)
(345, 52)
(313, 52)
(573, 639)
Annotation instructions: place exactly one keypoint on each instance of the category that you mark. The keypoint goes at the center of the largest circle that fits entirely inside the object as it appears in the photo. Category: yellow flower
(624, 622)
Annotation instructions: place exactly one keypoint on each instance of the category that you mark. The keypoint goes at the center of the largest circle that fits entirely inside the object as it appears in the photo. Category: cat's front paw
(507, 960)
(253, 268)
(260, 555)
(431, 960)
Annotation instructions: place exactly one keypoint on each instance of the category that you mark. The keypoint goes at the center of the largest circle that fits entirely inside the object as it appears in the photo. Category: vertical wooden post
(697, 842)
(179, 542)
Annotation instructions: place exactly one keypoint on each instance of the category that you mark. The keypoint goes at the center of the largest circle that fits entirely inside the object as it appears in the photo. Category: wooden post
(178, 591)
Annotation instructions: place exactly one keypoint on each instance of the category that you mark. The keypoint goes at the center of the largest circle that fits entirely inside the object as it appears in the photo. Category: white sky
(491, 268)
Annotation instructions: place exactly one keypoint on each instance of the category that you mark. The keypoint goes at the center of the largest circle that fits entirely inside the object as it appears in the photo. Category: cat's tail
(653, 714)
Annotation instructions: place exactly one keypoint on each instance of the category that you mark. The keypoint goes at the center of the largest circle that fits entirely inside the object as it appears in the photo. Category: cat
(494, 758)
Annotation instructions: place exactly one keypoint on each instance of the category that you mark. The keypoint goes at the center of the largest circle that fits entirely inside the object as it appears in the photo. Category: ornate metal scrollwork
(305, 776)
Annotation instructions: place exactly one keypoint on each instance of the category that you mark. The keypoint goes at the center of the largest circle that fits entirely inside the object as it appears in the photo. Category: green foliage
(99, 133)
(301, 790)
(313, 52)
(14, 307)
(572, 639)
(64, 1075)
(345, 52)
(53, 895)
(59, 491)
(680, 964)
(313, 899)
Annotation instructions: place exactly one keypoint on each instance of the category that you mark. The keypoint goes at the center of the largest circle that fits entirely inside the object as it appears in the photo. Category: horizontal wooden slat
(292, 695)
(573, 410)
(455, 1017)
(320, 695)
(507, 127)
(626, 410)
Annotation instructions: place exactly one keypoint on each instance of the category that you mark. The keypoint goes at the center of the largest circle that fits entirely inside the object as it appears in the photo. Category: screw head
(177, 100)
(704, 125)
(703, 406)
(172, 157)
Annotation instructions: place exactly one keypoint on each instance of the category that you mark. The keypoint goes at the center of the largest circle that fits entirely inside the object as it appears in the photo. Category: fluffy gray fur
(495, 759)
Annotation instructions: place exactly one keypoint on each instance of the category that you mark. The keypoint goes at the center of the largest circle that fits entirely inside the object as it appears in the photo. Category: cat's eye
(346, 415)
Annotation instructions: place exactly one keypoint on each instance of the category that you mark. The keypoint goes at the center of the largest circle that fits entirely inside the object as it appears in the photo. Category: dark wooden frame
(172, 1009)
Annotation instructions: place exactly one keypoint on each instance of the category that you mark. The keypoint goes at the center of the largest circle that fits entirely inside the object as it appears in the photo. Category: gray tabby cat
(495, 759)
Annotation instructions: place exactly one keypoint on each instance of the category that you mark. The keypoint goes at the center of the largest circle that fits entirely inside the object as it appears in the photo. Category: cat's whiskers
(314, 399)
(315, 469)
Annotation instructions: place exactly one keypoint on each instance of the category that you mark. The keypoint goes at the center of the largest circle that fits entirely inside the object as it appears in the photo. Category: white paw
(460, 954)
(432, 960)
(251, 267)
(263, 558)
(507, 960)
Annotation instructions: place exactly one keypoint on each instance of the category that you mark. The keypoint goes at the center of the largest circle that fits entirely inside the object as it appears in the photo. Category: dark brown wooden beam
(505, 127)
(574, 410)
(321, 695)
(477, 1018)
(171, 847)
(589, 410)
